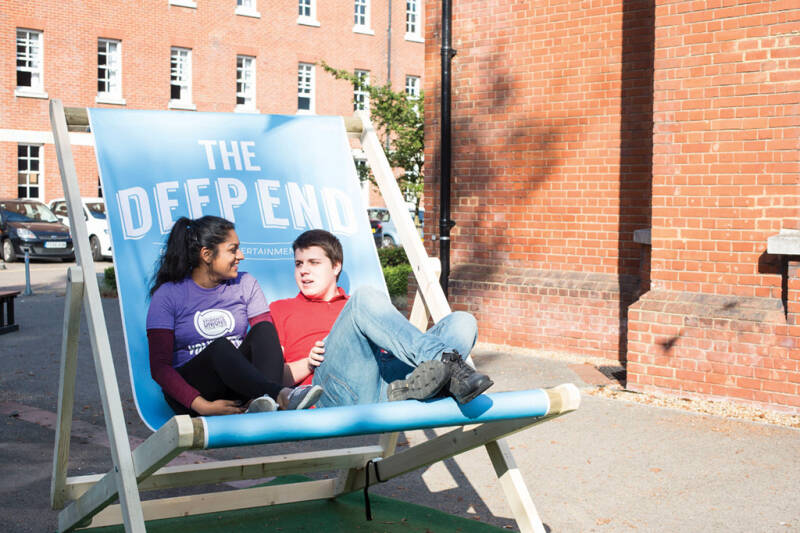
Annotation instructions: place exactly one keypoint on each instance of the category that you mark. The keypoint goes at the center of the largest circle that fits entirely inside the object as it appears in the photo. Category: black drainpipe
(445, 147)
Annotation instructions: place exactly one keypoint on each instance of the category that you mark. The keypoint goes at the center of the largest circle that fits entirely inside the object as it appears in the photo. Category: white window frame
(309, 19)
(413, 21)
(365, 24)
(185, 101)
(113, 69)
(33, 41)
(247, 8)
(361, 96)
(40, 172)
(413, 89)
(183, 3)
(246, 78)
(306, 87)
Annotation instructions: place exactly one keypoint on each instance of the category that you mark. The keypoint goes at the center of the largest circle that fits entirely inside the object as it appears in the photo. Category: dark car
(377, 231)
(29, 226)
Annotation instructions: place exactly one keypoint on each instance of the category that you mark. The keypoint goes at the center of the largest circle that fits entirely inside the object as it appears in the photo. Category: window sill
(787, 242)
(414, 38)
(307, 21)
(364, 30)
(103, 99)
(305, 112)
(186, 106)
(29, 93)
(183, 3)
(248, 13)
(243, 109)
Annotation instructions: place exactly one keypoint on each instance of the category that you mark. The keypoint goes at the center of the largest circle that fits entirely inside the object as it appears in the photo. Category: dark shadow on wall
(481, 138)
(481, 135)
(636, 155)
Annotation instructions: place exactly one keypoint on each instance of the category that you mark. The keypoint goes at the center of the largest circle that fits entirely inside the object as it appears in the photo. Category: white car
(94, 212)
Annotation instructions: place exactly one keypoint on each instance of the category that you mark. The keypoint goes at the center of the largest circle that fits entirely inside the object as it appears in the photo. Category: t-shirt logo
(213, 323)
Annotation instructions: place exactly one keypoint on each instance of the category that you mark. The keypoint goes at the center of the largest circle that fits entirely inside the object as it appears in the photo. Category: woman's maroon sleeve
(263, 317)
(161, 342)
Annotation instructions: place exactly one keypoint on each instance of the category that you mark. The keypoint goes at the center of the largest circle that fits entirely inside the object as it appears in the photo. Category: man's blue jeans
(371, 344)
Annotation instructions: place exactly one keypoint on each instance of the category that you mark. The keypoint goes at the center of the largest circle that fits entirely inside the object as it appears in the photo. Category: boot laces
(459, 369)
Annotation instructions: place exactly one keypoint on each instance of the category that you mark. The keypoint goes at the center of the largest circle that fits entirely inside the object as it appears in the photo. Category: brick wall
(215, 34)
(575, 124)
(725, 178)
(551, 175)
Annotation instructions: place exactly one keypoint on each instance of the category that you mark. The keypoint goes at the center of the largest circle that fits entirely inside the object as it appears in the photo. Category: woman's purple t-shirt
(198, 315)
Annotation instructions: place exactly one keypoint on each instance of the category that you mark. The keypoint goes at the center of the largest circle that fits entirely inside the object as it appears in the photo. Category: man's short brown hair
(325, 240)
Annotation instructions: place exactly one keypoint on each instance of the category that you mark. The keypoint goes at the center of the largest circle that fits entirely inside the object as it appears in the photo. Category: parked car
(382, 215)
(29, 226)
(94, 213)
(377, 232)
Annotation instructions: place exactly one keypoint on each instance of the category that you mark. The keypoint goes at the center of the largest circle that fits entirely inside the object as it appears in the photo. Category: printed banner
(272, 176)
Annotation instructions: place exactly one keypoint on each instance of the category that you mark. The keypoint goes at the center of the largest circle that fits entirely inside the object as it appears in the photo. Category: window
(247, 8)
(413, 29)
(412, 86)
(180, 85)
(30, 64)
(59, 209)
(412, 90)
(307, 12)
(29, 164)
(361, 17)
(245, 83)
(305, 88)
(360, 92)
(109, 72)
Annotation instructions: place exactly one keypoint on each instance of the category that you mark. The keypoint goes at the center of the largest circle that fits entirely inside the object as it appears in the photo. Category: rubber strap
(367, 506)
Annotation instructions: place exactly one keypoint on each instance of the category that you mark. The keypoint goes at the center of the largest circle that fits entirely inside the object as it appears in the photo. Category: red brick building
(618, 169)
(204, 55)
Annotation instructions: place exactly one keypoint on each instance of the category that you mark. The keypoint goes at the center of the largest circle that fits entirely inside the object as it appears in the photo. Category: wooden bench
(7, 324)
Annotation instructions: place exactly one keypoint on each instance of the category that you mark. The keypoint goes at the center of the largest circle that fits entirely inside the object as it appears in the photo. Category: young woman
(201, 352)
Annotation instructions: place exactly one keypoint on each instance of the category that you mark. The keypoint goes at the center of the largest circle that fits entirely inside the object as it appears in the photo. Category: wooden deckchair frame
(86, 500)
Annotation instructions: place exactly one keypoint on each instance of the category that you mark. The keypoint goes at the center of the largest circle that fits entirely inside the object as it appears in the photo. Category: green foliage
(392, 256)
(395, 269)
(110, 278)
(398, 119)
(397, 279)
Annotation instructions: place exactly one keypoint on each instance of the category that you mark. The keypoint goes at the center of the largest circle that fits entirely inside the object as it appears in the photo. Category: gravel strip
(616, 391)
(723, 408)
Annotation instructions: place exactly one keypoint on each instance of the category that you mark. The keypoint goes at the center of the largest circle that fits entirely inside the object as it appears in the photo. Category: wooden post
(66, 386)
(98, 333)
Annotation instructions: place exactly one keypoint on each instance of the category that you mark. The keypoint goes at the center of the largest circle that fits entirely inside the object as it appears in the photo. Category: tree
(398, 121)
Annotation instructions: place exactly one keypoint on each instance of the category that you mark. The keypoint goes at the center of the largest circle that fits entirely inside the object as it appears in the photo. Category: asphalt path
(611, 466)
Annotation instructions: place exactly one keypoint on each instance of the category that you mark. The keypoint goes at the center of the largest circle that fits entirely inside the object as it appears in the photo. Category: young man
(359, 347)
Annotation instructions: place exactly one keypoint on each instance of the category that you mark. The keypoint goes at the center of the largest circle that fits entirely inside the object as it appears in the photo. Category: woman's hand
(218, 407)
(316, 356)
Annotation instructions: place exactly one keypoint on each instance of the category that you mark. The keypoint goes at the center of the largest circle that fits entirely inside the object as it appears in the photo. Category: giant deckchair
(260, 171)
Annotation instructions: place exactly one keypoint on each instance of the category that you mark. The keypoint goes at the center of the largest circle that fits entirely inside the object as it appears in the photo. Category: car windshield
(378, 214)
(26, 212)
(97, 209)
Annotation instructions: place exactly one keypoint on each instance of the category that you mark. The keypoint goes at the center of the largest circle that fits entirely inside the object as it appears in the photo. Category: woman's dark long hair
(184, 243)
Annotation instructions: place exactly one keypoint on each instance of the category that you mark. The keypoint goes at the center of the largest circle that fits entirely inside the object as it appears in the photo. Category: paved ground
(46, 275)
(611, 466)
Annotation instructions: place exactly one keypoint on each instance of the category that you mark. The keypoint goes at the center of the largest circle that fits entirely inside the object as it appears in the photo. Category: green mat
(344, 514)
